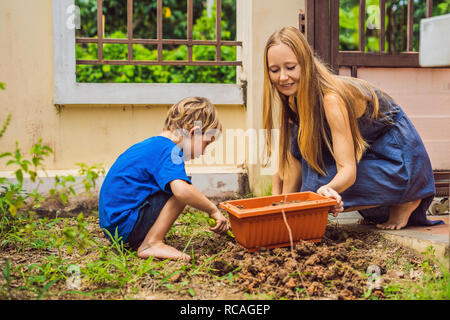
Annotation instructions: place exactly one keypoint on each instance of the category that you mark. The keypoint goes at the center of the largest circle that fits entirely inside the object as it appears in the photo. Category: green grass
(433, 283)
(37, 254)
(106, 268)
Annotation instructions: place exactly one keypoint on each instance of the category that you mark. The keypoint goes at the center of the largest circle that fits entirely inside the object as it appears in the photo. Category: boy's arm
(190, 195)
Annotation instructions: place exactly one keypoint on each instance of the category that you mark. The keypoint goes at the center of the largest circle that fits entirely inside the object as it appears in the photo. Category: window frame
(68, 91)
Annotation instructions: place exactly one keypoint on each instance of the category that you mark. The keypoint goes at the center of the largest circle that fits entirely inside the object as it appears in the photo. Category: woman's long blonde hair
(316, 80)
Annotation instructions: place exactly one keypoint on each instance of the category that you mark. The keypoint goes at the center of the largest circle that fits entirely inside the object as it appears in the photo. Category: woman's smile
(284, 70)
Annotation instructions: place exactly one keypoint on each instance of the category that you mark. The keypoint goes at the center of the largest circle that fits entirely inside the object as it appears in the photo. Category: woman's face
(284, 70)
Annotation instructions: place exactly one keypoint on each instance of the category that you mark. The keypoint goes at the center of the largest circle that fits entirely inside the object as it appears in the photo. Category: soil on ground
(335, 268)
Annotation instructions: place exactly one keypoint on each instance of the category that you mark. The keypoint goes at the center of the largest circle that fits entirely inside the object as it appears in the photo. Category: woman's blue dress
(394, 169)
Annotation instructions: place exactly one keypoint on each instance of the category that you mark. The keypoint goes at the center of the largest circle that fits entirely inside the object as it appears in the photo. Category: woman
(343, 138)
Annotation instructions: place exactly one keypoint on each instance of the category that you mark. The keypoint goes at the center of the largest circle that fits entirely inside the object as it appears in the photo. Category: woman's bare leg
(399, 215)
(153, 244)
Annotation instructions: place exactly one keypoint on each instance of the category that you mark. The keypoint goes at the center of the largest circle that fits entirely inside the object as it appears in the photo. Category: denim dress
(394, 169)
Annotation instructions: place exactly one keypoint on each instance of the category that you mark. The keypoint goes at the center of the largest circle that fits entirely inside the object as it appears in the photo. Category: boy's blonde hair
(186, 113)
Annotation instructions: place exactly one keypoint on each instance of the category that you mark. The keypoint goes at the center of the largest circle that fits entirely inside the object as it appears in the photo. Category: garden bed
(36, 263)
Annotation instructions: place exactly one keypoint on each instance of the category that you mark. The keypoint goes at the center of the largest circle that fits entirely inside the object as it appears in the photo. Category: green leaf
(46, 287)
(191, 292)
(6, 272)
(19, 176)
(33, 175)
(13, 210)
(63, 198)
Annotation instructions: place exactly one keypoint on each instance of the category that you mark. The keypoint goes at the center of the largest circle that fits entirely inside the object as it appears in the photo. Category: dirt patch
(53, 206)
(332, 269)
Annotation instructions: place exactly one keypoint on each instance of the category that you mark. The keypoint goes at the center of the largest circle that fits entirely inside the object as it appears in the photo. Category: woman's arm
(277, 184)
(343, 147)
(292, 180)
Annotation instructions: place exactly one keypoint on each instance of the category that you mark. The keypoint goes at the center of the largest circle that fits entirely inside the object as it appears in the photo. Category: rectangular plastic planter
(258, 222)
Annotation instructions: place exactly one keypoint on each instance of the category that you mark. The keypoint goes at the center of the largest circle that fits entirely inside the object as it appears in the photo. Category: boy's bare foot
(161, 250)
(399, 215)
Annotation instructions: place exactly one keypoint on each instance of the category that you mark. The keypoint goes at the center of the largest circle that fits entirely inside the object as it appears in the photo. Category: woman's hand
(326, 191)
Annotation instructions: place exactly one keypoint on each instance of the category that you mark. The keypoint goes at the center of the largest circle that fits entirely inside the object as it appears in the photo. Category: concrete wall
(77, 133)
(26, 66)
(266, 17)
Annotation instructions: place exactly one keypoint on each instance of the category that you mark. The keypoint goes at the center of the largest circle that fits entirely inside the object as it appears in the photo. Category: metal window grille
(326, 43)
(159, 41)
(360, 58)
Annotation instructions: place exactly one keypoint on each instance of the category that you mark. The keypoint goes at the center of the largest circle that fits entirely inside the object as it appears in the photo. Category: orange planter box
(258, 222)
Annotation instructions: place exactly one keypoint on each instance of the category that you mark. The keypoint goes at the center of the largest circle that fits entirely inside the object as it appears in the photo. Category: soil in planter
(275, 203)
(284, 202)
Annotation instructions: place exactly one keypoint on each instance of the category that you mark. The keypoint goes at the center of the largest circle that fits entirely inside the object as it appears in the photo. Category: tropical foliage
(395, 23)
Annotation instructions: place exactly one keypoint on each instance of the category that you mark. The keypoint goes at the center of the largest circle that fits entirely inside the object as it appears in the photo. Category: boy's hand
(221, 222)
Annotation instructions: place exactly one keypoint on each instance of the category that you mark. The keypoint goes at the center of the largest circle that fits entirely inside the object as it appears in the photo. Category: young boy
(147, 188)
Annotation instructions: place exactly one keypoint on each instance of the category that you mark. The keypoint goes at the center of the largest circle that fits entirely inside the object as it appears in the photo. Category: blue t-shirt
(142, 170)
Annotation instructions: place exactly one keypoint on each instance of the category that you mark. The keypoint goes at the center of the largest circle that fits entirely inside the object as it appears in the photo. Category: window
(126, 59)
(369, 33)
(399, 32)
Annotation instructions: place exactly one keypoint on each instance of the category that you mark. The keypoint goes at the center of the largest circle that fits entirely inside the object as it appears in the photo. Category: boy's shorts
(148, 212)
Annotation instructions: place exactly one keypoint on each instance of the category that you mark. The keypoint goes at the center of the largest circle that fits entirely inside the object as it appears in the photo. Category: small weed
(90, 175)
(78, 236)
(13, 197)
(5, 292)
(66, 186)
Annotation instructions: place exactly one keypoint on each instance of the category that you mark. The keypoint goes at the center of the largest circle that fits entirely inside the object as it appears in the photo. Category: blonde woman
(147, 188)
(343, 138)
